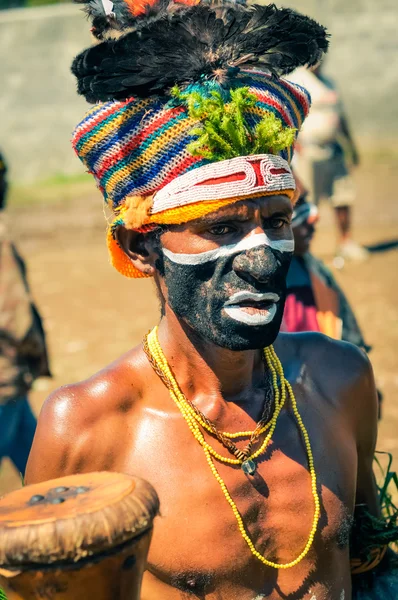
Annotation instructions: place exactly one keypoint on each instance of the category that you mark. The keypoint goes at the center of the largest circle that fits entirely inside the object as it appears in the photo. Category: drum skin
(80, 537)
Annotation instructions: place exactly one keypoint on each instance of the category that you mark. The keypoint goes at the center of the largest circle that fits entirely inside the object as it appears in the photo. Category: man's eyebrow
(281, 213)
(228, 216)
(240, 216)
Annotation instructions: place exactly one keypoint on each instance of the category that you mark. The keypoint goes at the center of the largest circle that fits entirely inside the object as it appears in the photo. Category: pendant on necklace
(249, 466)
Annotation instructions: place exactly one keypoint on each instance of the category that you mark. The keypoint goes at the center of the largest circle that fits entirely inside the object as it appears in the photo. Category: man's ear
(139, 247)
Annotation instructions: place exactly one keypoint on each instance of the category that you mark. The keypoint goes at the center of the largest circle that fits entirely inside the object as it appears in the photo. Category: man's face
(224, 274)
(305, 217)
(303, 235)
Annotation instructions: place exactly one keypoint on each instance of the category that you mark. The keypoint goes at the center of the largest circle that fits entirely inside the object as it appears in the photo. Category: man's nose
(256, 265)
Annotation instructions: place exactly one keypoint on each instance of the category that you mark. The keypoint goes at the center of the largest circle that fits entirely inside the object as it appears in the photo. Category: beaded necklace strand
(224, 438)
(161, 367)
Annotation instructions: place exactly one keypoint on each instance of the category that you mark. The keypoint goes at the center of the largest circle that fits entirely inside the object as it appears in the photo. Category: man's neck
(206, 368)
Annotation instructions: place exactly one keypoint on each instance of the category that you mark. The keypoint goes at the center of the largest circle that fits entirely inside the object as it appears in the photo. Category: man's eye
(278, 223)
(220, 230)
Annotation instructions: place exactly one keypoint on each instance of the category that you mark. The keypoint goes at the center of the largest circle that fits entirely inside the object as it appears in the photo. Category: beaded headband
(192, 112)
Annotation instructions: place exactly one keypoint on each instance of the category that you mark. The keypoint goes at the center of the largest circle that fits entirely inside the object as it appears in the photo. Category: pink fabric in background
(300, 313)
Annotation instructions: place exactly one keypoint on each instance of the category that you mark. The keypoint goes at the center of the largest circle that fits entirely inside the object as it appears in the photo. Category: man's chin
(239, 337)
(254, 341)
(231, 334)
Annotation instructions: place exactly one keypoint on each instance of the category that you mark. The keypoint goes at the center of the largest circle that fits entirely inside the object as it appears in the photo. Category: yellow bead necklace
(159, 363)
(161, 367)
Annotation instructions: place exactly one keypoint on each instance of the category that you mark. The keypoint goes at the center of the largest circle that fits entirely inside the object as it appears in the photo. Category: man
(23, 354)
(193, 158)
(321, 156)
(314, 300)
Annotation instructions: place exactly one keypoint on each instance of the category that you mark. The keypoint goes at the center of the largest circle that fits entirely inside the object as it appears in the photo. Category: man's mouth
(252, 308)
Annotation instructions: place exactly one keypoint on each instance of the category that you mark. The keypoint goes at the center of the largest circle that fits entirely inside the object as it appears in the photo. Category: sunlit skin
(123, 419)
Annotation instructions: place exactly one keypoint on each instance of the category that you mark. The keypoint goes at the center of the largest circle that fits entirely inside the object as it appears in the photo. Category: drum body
(116, 577)
(83, 537)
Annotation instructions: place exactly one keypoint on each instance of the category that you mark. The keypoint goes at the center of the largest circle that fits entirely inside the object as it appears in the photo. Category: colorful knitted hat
(191, 112)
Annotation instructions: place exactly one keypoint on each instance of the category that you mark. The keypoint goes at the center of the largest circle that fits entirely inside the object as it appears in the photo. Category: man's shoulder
(333, 374)
(327, 359)
(82, 425)
(116, 387)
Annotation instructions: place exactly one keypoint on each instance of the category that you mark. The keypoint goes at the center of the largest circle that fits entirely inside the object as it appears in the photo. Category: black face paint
(197, 293)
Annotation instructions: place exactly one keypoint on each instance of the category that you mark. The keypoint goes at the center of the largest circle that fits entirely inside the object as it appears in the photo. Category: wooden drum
(82, 537)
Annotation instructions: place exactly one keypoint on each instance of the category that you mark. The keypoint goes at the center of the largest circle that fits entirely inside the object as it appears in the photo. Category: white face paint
(248, 243)
(237, 307)
(259, 317)
(243, 296)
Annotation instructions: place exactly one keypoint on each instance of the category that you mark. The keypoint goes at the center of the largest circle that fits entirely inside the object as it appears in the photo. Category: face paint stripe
(238, 314)
(248, 243)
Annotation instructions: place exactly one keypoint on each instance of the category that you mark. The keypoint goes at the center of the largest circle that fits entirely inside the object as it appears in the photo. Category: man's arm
(352, 373)
(82, 427)
(366, 404)
(346, 132)
(52, 447)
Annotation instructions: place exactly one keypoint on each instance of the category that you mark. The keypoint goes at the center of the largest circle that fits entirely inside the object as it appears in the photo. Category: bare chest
(198, 545)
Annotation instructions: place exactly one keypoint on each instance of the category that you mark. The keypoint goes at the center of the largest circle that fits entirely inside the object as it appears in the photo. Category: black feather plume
(111, 18)
(202, 41)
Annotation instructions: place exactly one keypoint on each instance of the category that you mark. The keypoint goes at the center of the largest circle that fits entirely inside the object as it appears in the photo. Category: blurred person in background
(23, 353)
(314, 300)
(321, 157)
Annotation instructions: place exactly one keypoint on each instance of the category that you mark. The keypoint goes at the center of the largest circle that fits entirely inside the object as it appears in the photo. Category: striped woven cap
(136, 147)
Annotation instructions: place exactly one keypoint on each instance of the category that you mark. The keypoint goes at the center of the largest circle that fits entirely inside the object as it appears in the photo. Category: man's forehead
(244, 208)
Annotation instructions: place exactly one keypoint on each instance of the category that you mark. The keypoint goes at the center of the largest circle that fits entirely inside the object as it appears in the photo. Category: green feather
(224, 132)
(369, 531)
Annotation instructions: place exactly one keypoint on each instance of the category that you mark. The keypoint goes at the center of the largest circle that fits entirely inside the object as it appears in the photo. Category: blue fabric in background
(17, 429)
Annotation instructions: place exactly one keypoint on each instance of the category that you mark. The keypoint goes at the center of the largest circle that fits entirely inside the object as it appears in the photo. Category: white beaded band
(243, 176)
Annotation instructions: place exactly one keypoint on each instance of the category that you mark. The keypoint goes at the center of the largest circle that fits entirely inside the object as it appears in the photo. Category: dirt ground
(92, 314)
